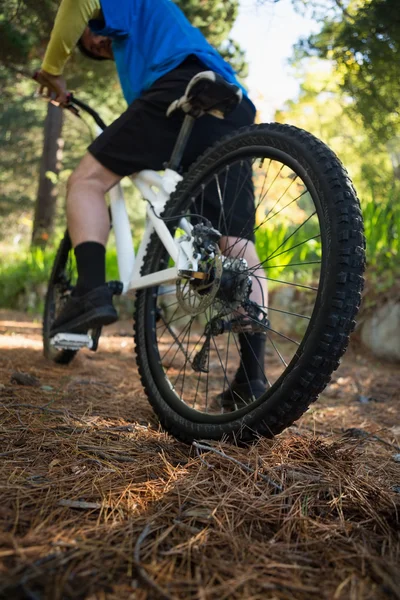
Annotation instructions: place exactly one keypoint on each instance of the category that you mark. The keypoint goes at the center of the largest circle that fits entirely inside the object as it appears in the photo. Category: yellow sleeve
(71, 20)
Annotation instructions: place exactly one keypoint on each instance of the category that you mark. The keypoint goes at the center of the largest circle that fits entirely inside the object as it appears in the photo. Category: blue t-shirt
(149, 39)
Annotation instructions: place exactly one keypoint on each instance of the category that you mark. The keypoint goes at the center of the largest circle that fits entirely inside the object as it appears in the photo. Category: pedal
(72, 341)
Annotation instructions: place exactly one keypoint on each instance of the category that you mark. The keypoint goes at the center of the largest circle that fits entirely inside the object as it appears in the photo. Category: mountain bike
(193, 300)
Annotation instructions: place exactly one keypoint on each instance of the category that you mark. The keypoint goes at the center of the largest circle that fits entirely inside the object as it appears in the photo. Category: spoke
(176, 341)
(277, 351)
(254, 354)
(228, 249)
(172, 304)
(180, 347)
(241, 187)
(269, 328)
(223, 369)
(231, 212)
(173, 321)
(311, 262)
(283, 208)
(265, 176)
(226, 362)
(265, 327)
(290, 236)
(314, 237)
(262, 197)
(188, 358)
(284, 336)
(169, 323)
(165, 291)
(307, 287)
(286, 312)
(203, 187)
(197, 390)
(221, 202)
(237, 192)
(208, 365)
(256, 277)
(245, 370)
(272, 183)
(268, 215)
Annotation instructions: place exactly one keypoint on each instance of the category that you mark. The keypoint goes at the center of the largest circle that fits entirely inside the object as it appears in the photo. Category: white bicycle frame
(156, 190)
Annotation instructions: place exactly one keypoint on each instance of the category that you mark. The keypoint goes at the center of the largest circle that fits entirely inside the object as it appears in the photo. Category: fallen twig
(81, 504)
(142, 571)
(102, 454)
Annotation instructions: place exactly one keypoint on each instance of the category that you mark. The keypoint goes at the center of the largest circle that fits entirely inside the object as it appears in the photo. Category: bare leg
(87, 212)
(90, 306)
(241, 248)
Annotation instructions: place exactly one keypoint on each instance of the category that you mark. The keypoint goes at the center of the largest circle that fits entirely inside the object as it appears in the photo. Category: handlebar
(73, 105)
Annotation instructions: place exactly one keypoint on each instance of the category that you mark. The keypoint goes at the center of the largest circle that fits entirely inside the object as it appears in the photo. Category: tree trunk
(49, 168)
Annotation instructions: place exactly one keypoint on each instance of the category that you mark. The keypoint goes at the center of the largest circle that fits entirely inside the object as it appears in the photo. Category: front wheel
(61, 283)
(277, 193)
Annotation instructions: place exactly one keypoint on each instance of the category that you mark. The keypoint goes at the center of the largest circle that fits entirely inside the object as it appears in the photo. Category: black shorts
(143, 137)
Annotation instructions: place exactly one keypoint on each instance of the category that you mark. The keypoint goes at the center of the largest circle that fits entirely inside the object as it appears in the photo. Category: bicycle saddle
(208, 92)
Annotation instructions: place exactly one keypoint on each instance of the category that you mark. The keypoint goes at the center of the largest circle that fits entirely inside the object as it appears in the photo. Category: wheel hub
(223, 278)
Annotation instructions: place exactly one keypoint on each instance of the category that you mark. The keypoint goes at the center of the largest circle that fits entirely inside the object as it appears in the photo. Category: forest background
(349, 77)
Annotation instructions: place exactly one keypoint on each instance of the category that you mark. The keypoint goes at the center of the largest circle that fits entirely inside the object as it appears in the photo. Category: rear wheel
(308, 234)
(62, 281)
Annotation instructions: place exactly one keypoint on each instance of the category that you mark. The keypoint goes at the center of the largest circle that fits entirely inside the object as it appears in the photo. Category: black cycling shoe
(239, 395)
(90, 311)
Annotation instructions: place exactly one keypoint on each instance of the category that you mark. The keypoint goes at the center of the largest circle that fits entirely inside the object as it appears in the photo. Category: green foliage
(324, 110)
(363, 42)
(274, 238)
(382, 230)
(21, 120)
(24, 275)
(214, 18)
(24, 27)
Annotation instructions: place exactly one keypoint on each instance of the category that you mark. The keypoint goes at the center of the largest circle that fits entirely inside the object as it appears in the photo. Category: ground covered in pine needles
(97, 503)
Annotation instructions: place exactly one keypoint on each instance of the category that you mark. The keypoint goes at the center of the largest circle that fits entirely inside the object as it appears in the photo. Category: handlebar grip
(70, 97)
(73, 105)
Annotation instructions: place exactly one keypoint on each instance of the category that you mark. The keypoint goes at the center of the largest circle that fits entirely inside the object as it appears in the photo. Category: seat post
(181, 143)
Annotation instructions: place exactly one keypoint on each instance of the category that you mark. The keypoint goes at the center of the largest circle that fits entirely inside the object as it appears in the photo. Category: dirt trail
(97, 503)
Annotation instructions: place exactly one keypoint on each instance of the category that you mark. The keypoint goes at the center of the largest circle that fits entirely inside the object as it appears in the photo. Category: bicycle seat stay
(208, 93)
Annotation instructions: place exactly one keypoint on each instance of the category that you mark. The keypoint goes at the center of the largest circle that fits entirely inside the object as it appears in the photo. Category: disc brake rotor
(195, 299)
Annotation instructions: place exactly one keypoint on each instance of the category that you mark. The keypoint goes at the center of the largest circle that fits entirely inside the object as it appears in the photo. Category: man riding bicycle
(157, 53)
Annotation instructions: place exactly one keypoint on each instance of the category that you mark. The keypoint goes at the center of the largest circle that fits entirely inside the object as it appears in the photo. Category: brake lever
(68, 105)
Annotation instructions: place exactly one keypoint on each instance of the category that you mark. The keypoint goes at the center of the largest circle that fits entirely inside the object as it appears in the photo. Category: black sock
(252, 349)
(91, 265)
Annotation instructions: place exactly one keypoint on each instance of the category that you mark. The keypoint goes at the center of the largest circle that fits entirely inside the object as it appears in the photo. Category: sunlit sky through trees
(267, 33)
